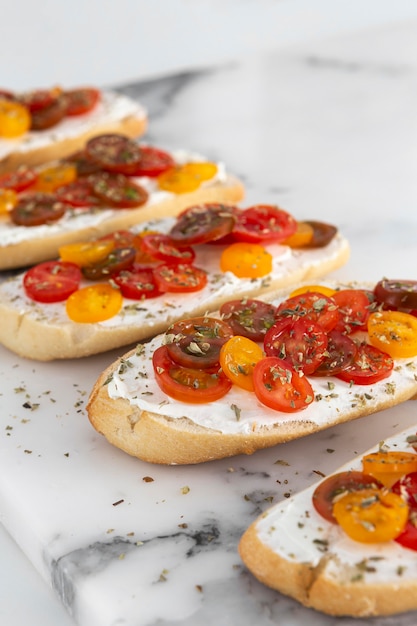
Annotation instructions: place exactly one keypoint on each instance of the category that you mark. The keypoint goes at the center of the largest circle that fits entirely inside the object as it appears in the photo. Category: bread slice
(115, 113)
(44, 331)
(127, 406)
(293, 549)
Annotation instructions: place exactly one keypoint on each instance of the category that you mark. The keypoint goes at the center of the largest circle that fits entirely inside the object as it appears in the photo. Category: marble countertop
(328, 131)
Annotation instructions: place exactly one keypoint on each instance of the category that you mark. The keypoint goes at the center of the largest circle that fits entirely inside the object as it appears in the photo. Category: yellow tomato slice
(388, 467)
(87, 253)
(8, 200)
(95, 303)
(246, 260)
(15, 119)
(53, 177)
(393, 332)
(326, 291)
(238, 357)
(371, 515)
(188, 177)
(302, 236)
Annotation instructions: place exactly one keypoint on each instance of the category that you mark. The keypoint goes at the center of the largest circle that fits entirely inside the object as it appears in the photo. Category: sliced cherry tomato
(388, 467)
(8, 200)
(302, 236)
(48, 116)
(369, 366)
(95, 303)
(20, 179)
(137, 283)
(15, 119)
(196, 342)
(340, 353)
(51, 281)
(117, 259)
(300, 343)
(38, 99)
(354, 309)
(280, 387)
(50, 178)
(238, 357)
(406, 487)
(327, 291)
(397, 293)
(36, 209)
(248, 317)
(246, 260)
(86, 253)
(264, 223)
(203, 223)
(371, 515)
(117, 191)
(337, 485)
(394, 332)
(186, 178)
(408, 537)
(78, 193)
(84, 165)
(322, 234)
(186, 384)
(82, 100)
(180, 277)
(153, 162)
(313, 306)
(121, 238)
(114, 152)
(163, 248)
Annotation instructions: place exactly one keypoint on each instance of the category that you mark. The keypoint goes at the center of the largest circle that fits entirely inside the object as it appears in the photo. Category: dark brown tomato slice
(337, 485)
(84, 165)
(340, 353)
(114, 152)
(180, 277)
(397, 293)
(51, 281)
(49, 116)
(264, 223)
(354, 308)
(5, 94)
(196, 342)
(313, 306)
(82, 100)
(38, 208)
(20, 179)
(153, 161)
(369, 366)
(323, 234)
(117, 191)
(78, 194)
(300, 343)
(117, 260)
(137, 283)
(203, 223)
(248, 317)
(162, 248)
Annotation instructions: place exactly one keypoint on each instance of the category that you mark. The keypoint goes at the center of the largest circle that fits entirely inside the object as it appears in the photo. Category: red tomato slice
(153, 162)
(280, 387)
(48, 116)
(197, 342)
(335, 486)
(313, 306)
(340, 352)
(248, 317)
(180, 277)
(354, 309)
(121, 238)
(300, 343)
(186, 384)
(203, 223)
(52, 281)
(137, 283)
(22, 178)
(369, 366)
(117, 191)
(264, 223)
(38, 208)
(397, 293)
(38, 98)
(117, 260)
(114, 152)
(407, 488)
(78, 194)
(82, 100)
(163, 248)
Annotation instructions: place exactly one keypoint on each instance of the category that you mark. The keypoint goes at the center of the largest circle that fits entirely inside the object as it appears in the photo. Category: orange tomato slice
(95, 303)
(188, 177)
(302, 236)
(393, 332)
(238, 357)
(388, 467)
(86, 253)
(15, 119)
(246, 260)
(327, 291)
(51, 178)
(371, 515)
(8, 200)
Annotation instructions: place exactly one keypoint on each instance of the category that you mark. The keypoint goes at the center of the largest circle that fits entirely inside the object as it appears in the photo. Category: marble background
(327, 130)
